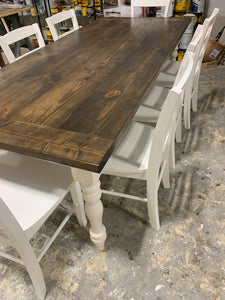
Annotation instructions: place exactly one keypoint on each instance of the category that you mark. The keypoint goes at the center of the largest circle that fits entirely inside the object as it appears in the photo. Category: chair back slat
(17, 35)
(152, 3)
(61, 17)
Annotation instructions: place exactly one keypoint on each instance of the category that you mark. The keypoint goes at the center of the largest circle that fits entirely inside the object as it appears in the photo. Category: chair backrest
(61, 17)
(167, 121)
(197, 46)
(207, 28)
(17, 35)
(201, 36)
(152, 3)
(31, 190)
(194, 47)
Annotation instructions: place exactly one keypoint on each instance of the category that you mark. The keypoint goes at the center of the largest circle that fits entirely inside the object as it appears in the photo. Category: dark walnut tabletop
(69, 101)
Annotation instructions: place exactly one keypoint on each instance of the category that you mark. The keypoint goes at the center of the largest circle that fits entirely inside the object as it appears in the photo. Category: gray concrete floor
(185, 259)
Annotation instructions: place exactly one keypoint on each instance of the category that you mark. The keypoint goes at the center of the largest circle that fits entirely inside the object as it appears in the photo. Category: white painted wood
(207, 29)
(17, 35)
(149, 111)
(167, 4)
(174, 70)
(91, 191)
(15, 233)
(30, 190)
(152, 105)
(170, 70)
(61, 17)
(54, 236)
(143, 152)
(127, 196)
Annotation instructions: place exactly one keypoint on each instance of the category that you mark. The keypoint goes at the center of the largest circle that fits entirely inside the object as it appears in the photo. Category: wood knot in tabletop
(113, 94)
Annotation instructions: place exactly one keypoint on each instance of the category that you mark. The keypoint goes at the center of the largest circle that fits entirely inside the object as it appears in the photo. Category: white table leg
(91, 191)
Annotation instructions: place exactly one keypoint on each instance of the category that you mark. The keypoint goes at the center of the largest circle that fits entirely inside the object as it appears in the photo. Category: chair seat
(34, 190)
(168, 73)
(152, 105)
(132, 154)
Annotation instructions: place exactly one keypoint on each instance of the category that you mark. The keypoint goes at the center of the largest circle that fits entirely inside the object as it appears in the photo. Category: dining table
(70, 101)
(7, 10)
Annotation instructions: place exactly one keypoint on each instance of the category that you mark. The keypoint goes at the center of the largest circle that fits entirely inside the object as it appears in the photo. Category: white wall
(215, 3)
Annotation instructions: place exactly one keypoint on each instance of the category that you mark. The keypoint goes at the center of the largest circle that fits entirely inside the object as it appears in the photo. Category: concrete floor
(185, 259)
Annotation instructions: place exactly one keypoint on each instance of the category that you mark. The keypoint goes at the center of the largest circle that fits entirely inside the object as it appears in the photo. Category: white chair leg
(172, 155)
(153, 210)
(172, 146)
(187, 116)
(30, 261)
(166, 175)
(194, 100)
(78, 203)
(178, 131)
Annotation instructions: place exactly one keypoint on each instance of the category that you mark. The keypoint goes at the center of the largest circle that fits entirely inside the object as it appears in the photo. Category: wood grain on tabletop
(74, 97)
(8, 11)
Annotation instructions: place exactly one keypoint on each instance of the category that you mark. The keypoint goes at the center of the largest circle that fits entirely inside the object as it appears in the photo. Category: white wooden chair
(170, 69)
(17, 35)
(207, 28)
(144, 151)
(61, 17)
(30, 190)
(150, 110)
(166, 4)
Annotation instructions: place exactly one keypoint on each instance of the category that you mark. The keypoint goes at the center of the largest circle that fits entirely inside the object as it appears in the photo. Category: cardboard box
(213, 54)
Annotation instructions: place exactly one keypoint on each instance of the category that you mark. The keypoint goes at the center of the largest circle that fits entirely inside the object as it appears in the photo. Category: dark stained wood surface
(69, 102)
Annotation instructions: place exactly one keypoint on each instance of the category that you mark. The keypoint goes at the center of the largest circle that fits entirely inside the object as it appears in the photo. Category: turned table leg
(91, 191)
